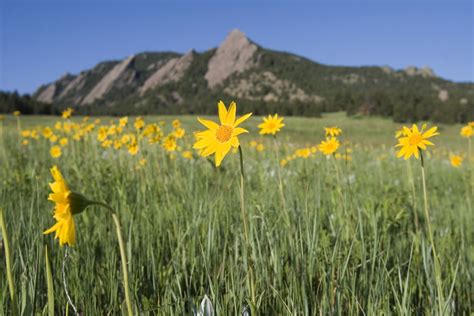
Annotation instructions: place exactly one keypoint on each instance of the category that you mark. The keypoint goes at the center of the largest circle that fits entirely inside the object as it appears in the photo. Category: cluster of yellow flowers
(257, 145)
(59, 134)
(117, 135)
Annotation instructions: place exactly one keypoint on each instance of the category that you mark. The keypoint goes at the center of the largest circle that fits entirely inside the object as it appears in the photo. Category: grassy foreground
(350, 237)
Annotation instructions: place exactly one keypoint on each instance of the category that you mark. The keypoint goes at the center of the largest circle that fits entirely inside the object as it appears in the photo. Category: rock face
(172, 71)
(107, 82)
(425, 72)
(443, 95)
(76, 84)
(47, 95)
(234, 55)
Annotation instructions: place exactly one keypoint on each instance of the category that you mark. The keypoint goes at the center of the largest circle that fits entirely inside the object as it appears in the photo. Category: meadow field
(310, 234)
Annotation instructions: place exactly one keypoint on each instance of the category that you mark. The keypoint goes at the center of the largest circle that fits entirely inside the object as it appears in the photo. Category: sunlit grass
(348, 244)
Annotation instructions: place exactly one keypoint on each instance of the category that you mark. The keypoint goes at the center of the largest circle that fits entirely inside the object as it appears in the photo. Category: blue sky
(40, 40)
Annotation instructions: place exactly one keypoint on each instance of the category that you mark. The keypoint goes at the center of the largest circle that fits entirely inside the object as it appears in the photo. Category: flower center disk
(224, 133)
(415, 139)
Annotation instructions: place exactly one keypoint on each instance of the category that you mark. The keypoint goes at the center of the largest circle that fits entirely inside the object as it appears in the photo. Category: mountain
(260, 80)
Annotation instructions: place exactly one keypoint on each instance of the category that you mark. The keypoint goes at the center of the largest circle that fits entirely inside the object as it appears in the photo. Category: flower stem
(122, 255)
(437, 266)
(246, 234)
(412, 185)
(282, 195)
(63, 270)
(8, 262)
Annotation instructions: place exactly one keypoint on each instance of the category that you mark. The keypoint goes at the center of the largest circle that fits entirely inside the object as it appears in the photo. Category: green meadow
(337, 236)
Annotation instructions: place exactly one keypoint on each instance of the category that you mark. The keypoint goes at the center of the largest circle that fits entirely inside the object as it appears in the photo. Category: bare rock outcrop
(75, 84)
(172, 71)
(107, 82)
(234, 55)
(47, 95)
(443, 95)
(425, 72)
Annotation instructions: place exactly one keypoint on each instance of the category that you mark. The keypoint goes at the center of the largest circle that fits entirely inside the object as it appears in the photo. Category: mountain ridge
(239, 68)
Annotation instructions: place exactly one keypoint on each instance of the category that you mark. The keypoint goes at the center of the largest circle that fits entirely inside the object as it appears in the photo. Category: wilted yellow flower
(219, 139)
(17, 113)
(187, 154)
(271, 125)
(139, 123)
(329, 146)
(55, 152)
(414, 140)
(123, 121)
(333, 131)
(67, 113)
(176, 124)
(456, 160)
(467, 131)
(67, 204)
(179, 132)
(63, 141)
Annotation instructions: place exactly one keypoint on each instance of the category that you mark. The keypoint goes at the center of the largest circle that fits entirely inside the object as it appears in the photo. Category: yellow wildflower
(303, 152)
(55, 152)
(169, 144)
(67, 204)
(176, 124)
(467, 131)
(271, 125)
(139, 123)
(329, 146)
(179, 132)
(333, 131)
(123, 121)
(415, 140)
(219, 139)
(67, 113)
(187, 154)
(456, 161)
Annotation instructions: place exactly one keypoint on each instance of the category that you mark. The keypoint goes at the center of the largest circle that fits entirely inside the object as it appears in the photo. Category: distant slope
(261, 80)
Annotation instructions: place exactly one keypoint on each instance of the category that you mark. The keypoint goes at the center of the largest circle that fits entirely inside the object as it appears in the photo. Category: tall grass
(350, 246)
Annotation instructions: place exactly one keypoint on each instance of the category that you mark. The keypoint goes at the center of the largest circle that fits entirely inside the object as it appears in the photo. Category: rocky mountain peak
(234, 55)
